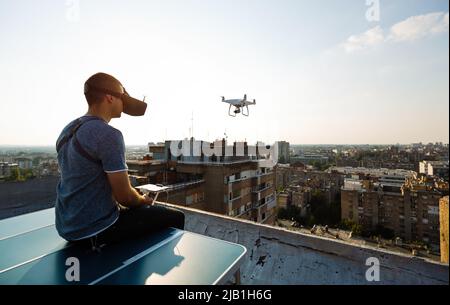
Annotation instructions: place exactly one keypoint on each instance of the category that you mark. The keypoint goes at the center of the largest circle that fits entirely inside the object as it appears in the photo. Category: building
(238, 186)
(283, 152)
(24, 163)
(283, 175)
(157, 150)
(236, 180)
(443, 223)
(372, 172)
(435, 168)
(6, 169)
(154, 171)
(407, 207)
(308, 158)
(282, 200)
(301, 198)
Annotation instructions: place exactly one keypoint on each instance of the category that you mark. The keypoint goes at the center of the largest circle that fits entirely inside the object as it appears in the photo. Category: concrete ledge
(279, 256)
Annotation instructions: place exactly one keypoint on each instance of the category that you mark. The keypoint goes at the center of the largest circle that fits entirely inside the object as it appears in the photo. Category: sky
(322, 71)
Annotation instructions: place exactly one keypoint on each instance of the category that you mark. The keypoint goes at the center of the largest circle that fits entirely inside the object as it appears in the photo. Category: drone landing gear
(243, 113)
(229, 112)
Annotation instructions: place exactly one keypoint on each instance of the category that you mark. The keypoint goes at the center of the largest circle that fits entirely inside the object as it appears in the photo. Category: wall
(278, 256)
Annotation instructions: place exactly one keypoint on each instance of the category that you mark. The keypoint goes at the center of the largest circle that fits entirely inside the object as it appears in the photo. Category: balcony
(255, 190)
(270, 204)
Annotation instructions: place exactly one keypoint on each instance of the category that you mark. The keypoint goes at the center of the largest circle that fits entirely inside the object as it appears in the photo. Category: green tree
(27, 174)
(15, 175)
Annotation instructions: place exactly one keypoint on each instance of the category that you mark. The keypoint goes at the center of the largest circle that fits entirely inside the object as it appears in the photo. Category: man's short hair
(99, 80)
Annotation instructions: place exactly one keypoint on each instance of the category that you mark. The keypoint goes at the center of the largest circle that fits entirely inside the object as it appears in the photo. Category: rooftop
(378, 172)
(280, 256)
(277, 256)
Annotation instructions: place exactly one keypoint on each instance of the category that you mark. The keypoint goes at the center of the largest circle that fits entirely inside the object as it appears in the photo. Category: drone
(238, 104)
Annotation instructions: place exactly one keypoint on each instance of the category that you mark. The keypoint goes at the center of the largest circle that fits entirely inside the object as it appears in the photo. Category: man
(95, 201)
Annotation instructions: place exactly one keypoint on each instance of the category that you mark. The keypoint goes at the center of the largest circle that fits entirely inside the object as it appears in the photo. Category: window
(242, 209)
(189, 199)
(201, 196)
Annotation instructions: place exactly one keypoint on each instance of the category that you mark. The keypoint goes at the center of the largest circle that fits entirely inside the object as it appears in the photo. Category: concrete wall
(278, 256)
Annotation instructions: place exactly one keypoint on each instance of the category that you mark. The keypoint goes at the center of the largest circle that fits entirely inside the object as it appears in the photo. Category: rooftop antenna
(192, 125)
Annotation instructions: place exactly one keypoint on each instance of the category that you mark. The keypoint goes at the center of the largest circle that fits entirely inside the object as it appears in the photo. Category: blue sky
(319, 70)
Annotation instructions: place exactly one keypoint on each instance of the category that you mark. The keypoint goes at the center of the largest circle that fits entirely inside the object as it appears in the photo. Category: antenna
(192, 124)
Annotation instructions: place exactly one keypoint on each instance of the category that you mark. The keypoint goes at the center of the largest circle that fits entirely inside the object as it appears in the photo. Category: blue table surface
(31, 252)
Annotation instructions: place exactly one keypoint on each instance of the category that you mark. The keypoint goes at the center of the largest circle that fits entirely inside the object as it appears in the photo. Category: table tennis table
(31, 252)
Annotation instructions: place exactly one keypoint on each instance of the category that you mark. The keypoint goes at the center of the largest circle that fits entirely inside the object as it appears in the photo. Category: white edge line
(23, 263)
(25, 232)
(228, 242)
(27, 215)
(235, 262)
(139, 256)
(67, 245)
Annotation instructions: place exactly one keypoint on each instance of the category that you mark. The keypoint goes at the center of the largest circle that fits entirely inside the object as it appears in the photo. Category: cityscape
(387, 196)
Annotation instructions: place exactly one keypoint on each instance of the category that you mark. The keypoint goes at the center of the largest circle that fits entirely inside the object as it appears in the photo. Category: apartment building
(7, 168)
(284, 154)
(238, 185)
(283, 175)
(435, 168)
(408, 206)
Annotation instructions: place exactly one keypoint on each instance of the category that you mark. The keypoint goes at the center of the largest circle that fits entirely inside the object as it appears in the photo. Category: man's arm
(124, 193)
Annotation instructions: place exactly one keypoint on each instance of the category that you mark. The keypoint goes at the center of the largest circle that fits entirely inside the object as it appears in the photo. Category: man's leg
(141, 221)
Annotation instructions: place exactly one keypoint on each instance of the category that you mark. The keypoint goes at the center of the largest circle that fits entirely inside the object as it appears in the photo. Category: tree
(27, 174)
(15, 175)
(290, 213)
(350, 225)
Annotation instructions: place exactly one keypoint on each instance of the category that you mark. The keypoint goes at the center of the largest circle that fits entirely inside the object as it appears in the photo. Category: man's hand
(147, 200)
(124, 193)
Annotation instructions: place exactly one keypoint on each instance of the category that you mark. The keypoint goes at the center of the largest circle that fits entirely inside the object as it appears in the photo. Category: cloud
(413, 28)
(370, 38)
(417, 27)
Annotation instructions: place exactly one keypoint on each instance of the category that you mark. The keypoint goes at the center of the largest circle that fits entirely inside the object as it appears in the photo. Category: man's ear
(108, 98)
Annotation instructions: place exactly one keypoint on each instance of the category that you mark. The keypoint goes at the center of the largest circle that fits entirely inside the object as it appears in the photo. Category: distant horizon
(291, 144)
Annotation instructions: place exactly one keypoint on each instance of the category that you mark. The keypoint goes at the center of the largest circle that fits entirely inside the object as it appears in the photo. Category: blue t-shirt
(84, 203)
